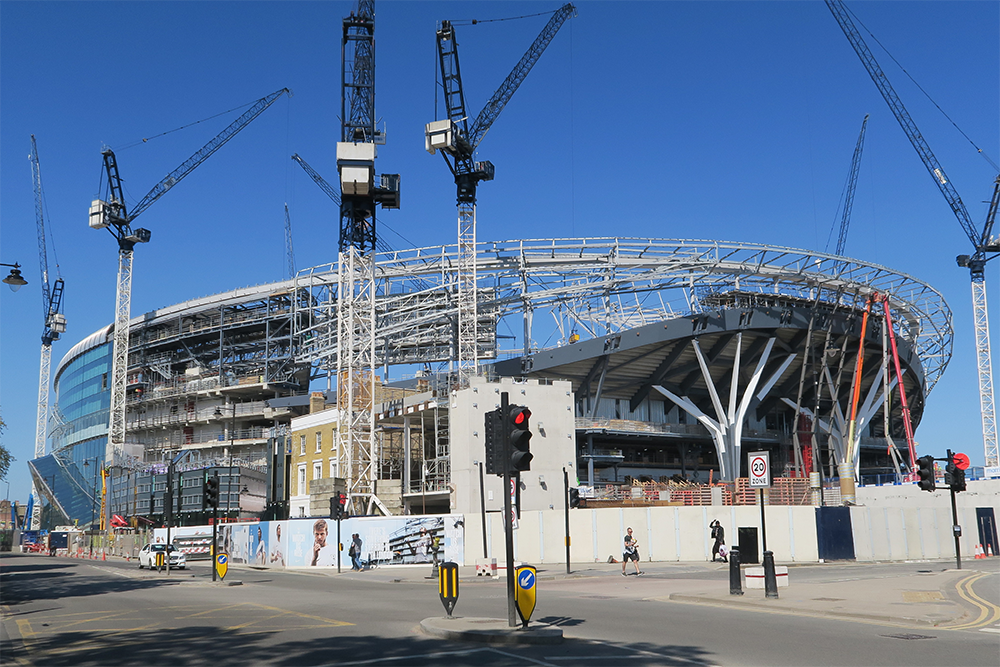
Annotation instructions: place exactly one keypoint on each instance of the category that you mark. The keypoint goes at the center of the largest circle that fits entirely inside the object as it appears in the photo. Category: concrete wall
(895, 523)
(664, 533)
(553, 444)
(911, 533)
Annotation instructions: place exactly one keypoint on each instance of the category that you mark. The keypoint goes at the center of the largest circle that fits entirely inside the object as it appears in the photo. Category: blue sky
(727, 120)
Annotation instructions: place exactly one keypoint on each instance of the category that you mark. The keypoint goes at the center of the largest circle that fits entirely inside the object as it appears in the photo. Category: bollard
(735, 581)
(770, 580)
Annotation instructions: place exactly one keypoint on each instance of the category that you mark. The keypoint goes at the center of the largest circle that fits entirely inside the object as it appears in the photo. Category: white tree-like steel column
(727, 427)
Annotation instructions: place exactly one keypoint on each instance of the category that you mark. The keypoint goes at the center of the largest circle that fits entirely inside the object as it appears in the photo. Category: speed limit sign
(760, 469)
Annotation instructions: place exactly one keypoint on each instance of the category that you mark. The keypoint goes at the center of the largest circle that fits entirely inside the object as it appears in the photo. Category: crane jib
(174, 177)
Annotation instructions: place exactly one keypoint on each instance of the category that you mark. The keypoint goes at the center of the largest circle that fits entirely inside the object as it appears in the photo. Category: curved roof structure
(601, 286)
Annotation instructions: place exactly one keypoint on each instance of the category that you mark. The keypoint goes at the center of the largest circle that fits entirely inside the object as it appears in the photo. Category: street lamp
(14, 279)
(229, 477)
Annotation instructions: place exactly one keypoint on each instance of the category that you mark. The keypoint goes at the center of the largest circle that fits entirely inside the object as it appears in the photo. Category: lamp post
(14, 280)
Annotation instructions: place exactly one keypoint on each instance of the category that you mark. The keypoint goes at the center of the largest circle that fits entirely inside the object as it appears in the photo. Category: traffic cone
(979, 551)
(989, 550)
(104, 556)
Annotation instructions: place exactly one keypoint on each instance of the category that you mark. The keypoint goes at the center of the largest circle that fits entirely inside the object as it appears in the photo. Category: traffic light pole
(957, 530)
(508, 512)
(215, 536)
(215, 528)
(566, 499)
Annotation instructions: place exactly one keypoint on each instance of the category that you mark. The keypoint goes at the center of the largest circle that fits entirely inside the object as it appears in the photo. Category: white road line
(437, 654)
(521, 657)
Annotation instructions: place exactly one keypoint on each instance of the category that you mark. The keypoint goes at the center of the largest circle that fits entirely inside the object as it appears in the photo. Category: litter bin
(748, 544)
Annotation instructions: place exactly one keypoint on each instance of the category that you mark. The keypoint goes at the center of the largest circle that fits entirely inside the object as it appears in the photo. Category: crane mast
(111, 213)
(981, 241)
(458, 143)
(54, 325)
(359, 194)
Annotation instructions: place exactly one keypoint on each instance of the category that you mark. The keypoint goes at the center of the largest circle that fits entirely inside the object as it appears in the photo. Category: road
(80, 613)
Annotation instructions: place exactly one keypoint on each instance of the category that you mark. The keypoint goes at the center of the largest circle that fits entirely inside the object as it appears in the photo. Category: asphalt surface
(64, 611)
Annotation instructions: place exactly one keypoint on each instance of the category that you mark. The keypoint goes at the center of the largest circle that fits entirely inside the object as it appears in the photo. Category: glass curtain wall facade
(69, 478)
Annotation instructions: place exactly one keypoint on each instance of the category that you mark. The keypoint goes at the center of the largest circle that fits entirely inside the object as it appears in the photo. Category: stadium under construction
(680, 355)
(643, 360)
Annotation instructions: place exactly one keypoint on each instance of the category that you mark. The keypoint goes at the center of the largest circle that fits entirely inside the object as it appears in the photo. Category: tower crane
(982, 242)
(334, 195)
(111, 213)
(54, 323)
(458, 142)
(359, 194)
(852, 183)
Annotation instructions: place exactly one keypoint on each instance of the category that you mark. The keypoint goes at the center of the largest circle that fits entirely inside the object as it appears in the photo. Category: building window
(317, 470)
(302, 444)
(333, 468)
(319, 442)
(302, 480)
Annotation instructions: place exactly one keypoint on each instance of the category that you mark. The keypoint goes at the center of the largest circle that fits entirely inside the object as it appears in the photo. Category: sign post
(760, 478)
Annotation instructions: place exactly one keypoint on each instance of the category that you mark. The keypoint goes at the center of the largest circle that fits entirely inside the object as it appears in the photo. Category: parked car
(147, 556)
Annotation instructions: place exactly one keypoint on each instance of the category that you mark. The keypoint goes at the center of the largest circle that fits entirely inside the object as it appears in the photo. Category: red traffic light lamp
(338, 506)
(519, 438)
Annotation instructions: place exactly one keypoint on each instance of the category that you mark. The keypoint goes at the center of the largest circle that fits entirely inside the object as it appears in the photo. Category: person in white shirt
(323, 554)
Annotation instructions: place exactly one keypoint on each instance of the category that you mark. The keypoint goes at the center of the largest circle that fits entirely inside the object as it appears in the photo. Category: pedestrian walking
(719, 535)
(355, 552)
(631, 552)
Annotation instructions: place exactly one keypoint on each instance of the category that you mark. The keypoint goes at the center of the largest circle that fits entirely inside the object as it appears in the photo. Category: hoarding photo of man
(323, 553)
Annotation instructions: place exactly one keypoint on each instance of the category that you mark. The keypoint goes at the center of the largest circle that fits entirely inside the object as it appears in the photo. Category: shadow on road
(27, 582)
(211, 646)
(562, 621)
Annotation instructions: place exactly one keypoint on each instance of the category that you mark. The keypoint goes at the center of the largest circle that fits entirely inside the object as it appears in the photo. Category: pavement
(913, 594)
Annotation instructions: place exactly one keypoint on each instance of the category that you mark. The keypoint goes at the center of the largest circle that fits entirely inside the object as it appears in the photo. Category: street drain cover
(909, 636)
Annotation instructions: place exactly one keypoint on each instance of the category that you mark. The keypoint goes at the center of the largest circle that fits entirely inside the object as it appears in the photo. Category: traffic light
(518, 438)
(494, 443)
(925, 471)
(338, 506)
(212, 491)
(574, 497)
(953, 475)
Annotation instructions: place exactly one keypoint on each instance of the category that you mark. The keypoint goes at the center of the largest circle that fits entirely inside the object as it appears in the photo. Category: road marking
(989, 613)
(439, 654)
(521, 657)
